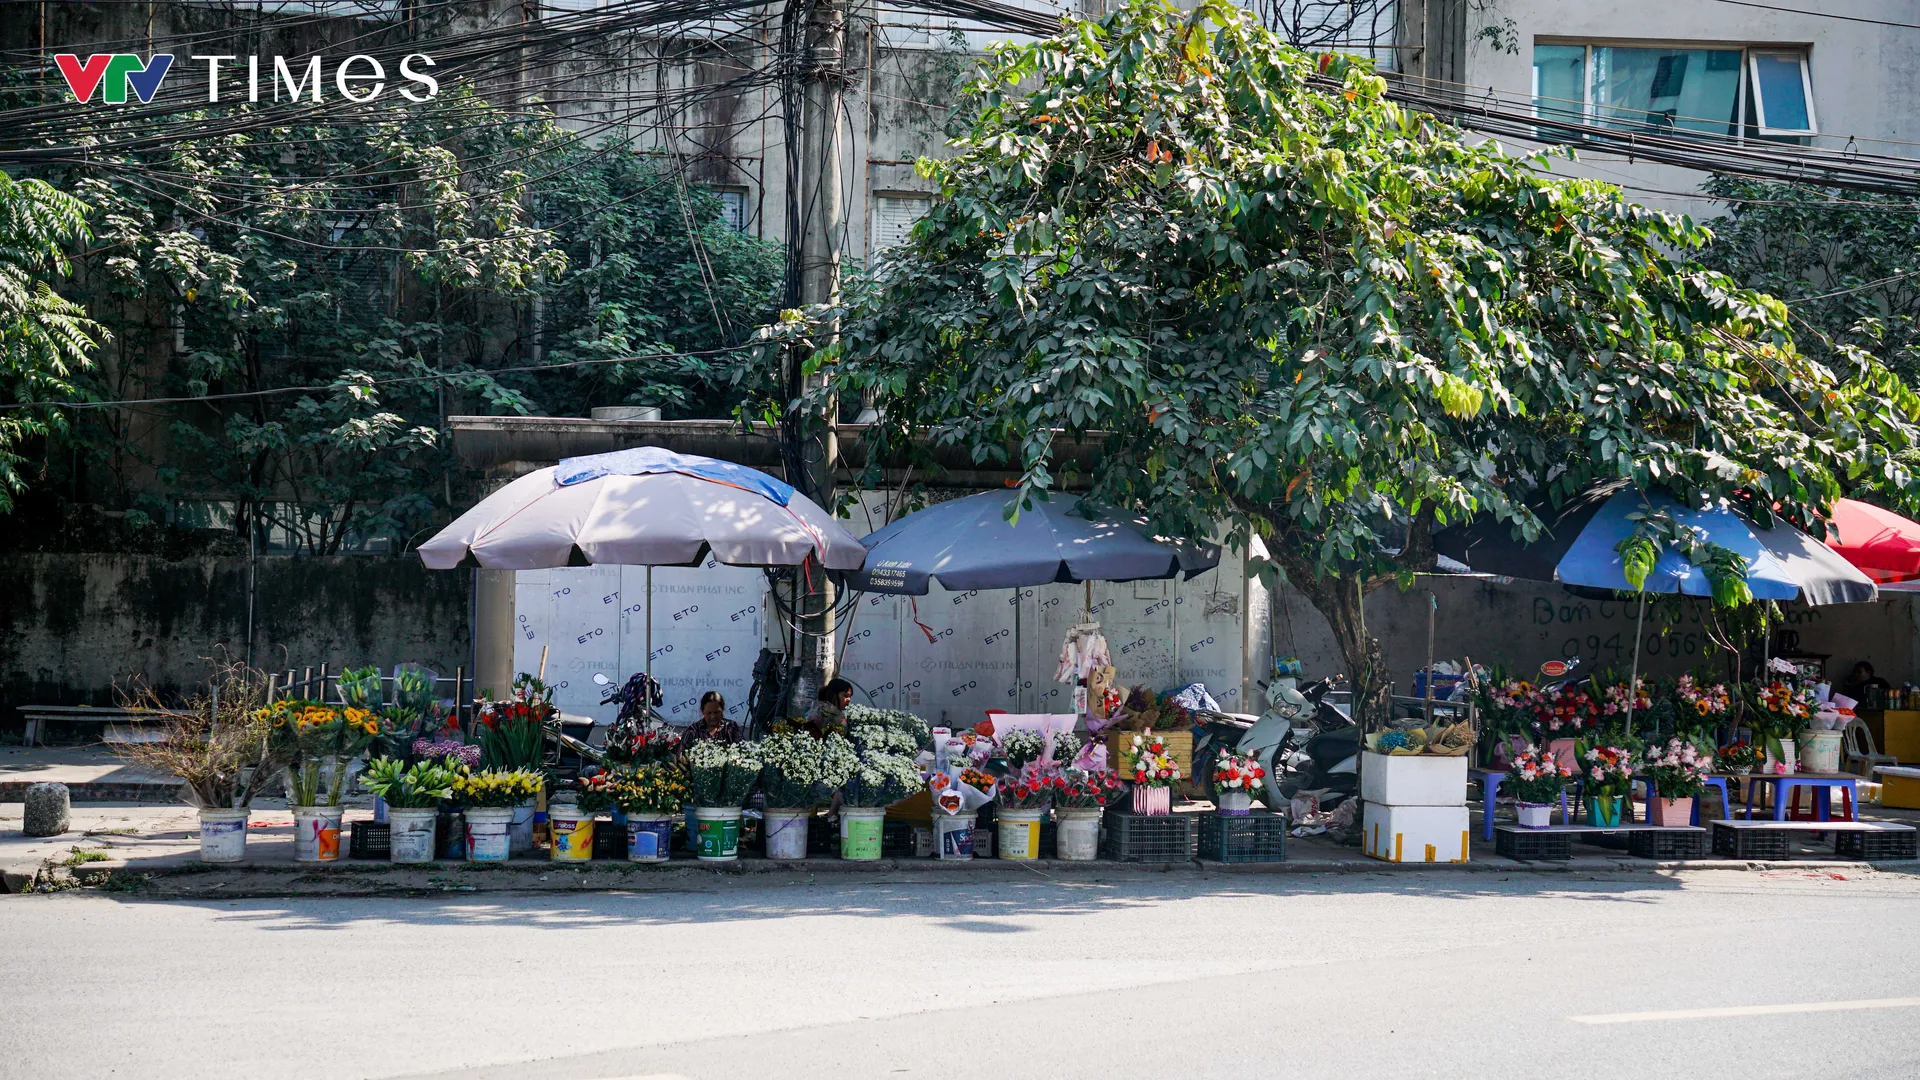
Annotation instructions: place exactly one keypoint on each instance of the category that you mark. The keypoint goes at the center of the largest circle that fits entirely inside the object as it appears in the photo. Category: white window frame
(877, 198)
(1799, 56)
(1748, 88)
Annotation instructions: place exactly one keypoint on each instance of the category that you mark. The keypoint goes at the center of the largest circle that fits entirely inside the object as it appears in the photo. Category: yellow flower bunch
(362, 720)
(497, 787)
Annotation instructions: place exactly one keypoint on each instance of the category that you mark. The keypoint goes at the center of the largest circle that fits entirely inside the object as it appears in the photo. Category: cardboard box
(1413, 779)
(1415, 833)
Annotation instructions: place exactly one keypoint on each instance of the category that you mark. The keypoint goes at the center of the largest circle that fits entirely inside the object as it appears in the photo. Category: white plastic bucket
(1533, 815)
(1076, 835)
(787, 833)
(649, 837)
(1235, 803)
(316, 833)
(1020, 834)
(1820, 751)
(860, 831)
(953, 836)
(412, 836)
(716, 833)
(572, 833)
(520, 832)
(223, 835)
(488, 830)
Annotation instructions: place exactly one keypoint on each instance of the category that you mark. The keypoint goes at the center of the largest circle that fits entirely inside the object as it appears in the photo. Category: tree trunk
(1341, 598)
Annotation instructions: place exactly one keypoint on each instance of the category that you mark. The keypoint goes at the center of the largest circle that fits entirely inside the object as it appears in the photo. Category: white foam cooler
(1434, 834)
(1413, 779)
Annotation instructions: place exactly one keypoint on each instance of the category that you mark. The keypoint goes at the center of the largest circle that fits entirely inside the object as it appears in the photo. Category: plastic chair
(1862, 751)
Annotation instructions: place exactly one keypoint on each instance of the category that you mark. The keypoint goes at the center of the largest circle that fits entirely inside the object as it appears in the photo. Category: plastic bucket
(1235, 803)
(860, 828)
(1020, 834)
(223, 835)
(520, 832)
(572, 833)
(1533, 815)
(953, 836)
(1076, 836)
(716, 833)
(316, 833)
(489, 832)
(649, 837)
(787, 833)
(412, 837)
(1820, 751)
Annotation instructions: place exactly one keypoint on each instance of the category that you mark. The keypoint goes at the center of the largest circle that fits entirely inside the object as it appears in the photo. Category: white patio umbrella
(643, 507)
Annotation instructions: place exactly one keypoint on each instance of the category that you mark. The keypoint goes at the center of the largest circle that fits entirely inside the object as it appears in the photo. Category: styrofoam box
(1415, 833)
(1413, 780)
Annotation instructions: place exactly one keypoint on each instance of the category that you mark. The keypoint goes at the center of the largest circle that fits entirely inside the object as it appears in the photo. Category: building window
(733, 208)
(893, 218)
(1675, 89)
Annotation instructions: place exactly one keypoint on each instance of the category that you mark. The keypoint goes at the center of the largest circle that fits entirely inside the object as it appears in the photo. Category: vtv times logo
(358, 78)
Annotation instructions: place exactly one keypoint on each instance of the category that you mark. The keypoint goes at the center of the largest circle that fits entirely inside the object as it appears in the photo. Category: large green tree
(1280, 302)
(46, 340)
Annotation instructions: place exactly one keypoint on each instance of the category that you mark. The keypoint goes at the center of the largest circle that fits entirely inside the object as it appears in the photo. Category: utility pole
(816, 33)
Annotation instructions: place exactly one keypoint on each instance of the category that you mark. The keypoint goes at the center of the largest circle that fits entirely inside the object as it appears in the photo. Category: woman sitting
(713, 724)
(830, 711)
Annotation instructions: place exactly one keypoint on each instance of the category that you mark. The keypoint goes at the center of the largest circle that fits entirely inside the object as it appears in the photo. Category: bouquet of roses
(1240, 774)
(1776, 711)
(1537, 777)
(593, 792)
(512, 732)
(1078, 789)
(1609, 770)
(1563, 712)
(1148, 763)
(1678, 770)
(1029, 789)
(1739, 758)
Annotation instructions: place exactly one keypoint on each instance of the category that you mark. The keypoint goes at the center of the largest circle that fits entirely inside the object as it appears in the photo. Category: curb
(202, 880)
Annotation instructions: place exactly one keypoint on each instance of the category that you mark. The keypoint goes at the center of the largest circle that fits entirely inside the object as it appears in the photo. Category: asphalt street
(1776, 974)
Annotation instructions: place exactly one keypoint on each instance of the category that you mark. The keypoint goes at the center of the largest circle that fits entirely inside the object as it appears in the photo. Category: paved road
(1440, 975)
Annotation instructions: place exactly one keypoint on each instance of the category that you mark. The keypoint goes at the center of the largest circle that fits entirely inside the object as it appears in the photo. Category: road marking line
(1749, 1010)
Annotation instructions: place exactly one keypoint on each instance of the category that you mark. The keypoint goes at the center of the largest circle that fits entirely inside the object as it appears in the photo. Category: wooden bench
(39, 716)
(1555, 842)
(1852, 839)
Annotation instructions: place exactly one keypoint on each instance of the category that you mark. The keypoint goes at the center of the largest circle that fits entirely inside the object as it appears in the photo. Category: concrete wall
(71, 626)
(1523, 625)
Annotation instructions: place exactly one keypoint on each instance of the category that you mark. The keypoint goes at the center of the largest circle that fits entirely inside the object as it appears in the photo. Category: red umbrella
(1884, 545)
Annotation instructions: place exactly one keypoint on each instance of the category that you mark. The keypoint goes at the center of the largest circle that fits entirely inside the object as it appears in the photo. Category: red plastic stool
(1811, 813)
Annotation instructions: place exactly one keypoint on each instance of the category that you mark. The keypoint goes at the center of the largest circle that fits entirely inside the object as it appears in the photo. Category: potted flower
(650, 796)
(489, 798)
(1023, 800)
(413, 793)
(797, 773)
(217, 746)
(1678, 772)
(1776, 711)
(1608, 772)
(1079, 800)
(1560, 715)
(887, 771)
(1237, 778)
(512, 735)
(1536, 779)
(1739, 758)
(317, 741)
(1153, 773)
(721, 776)
(1700, 707)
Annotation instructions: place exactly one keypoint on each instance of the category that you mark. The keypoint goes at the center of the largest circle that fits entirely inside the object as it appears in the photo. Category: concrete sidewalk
(92, 773)
(154, 851)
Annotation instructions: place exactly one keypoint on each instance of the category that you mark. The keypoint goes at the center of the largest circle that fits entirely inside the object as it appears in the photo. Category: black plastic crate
(1153, 838)
(1532, 844)
(896, 840)
(1665, 844)
(1244, 838)
(609, 840)
(369, 840)
(1898, 844)
(1749, 843)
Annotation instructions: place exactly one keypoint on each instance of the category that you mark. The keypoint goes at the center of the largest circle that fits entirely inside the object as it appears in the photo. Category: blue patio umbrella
(969, 544)
(1577, 548)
